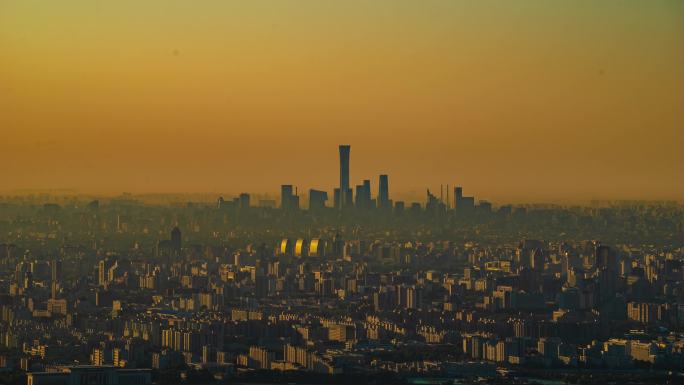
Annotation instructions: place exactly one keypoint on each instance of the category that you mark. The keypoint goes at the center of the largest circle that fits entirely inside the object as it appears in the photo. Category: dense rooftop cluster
(205, 292)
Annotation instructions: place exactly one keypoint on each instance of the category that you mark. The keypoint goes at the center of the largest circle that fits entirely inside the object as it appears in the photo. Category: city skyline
(378, 192)
(235, 97)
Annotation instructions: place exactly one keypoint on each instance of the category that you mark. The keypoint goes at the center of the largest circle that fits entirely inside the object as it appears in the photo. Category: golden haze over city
(518, 101)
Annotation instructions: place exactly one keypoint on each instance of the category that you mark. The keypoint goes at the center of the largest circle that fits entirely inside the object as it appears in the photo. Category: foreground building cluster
(333, 305)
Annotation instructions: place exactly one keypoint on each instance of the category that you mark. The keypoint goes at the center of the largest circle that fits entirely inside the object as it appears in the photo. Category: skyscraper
(55, 276)
(244, 201)
(363, 195)
(285, 194)
(359, 203)
(317, 199)
(383, 193)
(176, 239)
(344, 175)
(458, 196)
(288, 200)
(462, 204)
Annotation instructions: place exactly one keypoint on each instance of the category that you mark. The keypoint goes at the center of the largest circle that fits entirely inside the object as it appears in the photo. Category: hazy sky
(514, 100)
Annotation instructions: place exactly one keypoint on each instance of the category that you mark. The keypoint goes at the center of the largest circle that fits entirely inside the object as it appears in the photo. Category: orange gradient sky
(515, 100)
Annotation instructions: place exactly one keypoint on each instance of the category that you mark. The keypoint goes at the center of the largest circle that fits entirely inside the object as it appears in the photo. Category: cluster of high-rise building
(360, 198)
(344, 197)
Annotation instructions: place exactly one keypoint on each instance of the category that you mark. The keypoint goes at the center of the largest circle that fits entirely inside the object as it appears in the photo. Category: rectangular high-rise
(286, 197)
(244, 201)
(366, 194)
(317, 199)
(463, 204)
(363, 195)
(458, 197)
(344, 174)
(383, 193)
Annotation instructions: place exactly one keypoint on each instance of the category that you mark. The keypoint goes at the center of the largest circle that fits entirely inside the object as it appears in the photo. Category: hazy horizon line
(408, 197)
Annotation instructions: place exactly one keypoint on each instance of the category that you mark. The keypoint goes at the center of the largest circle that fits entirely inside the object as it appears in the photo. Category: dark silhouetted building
(244, 201)
(463, 204)
(317, 199)
(288, 199)
(363, 195)
(345, 191)
(383, 192)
